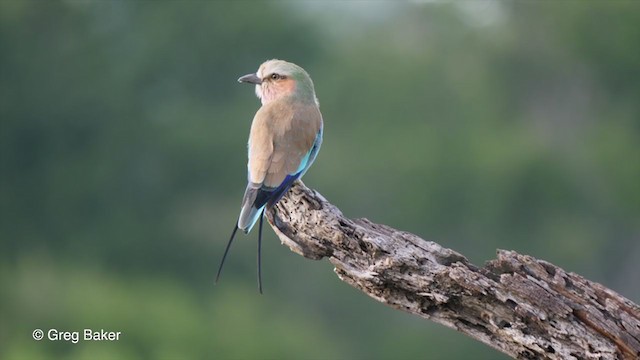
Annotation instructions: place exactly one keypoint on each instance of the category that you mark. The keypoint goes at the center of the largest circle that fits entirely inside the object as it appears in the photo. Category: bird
(284, 140)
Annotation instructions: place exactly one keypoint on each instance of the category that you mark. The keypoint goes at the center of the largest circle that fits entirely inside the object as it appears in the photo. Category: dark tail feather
(260, 253)
(252, 205)
(233, 234)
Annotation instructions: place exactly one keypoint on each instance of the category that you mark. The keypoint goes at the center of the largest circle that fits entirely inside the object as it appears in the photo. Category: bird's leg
(233, 234)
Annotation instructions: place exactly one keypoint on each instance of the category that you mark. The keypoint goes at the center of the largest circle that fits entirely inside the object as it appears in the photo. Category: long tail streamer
(260, 253)
(233, 234)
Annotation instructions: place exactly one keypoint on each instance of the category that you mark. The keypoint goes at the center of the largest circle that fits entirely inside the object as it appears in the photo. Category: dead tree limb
(522, 306)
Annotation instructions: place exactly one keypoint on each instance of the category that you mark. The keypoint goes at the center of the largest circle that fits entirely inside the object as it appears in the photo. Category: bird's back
(284, 140)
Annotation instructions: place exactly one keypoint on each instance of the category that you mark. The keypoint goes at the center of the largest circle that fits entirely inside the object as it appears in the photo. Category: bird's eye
(275, 76)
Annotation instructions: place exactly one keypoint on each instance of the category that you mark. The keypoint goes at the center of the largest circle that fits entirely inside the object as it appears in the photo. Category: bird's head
(278, 78)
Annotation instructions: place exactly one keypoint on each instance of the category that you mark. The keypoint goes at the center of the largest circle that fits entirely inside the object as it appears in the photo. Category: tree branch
(524, 307)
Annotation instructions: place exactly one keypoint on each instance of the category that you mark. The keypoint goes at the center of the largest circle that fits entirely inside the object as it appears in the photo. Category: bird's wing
(292, 146)
(281, 137)
(283, 143)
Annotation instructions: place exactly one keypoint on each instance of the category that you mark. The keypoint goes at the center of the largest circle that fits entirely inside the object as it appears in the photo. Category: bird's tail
(256, 198)
(226, 251)
(253, 203)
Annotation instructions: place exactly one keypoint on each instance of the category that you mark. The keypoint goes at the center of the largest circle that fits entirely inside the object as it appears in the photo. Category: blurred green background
(480, 125)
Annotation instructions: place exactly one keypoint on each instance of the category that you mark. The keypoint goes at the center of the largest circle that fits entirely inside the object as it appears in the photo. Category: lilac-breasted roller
(285, 137)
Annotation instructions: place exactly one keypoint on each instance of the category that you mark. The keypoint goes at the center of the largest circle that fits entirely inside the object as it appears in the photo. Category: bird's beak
(250, 78)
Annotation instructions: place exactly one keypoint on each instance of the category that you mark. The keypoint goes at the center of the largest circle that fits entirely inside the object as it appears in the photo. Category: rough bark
(522, 306)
